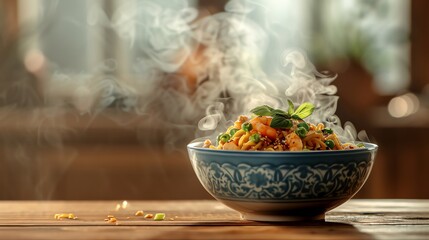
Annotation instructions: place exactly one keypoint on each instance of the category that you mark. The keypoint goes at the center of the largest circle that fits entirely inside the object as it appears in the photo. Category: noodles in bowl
(276, 130)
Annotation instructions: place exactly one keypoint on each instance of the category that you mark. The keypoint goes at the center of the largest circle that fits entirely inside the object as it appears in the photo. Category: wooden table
(208, 219)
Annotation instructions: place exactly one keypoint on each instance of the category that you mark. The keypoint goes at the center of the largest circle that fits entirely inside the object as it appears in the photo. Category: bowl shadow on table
(266, 230)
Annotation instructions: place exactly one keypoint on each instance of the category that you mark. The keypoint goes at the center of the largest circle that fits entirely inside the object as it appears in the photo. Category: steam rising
(302, 83)
(306, 84)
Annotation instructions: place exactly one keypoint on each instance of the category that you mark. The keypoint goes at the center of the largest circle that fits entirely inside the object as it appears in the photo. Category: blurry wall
(98, 100)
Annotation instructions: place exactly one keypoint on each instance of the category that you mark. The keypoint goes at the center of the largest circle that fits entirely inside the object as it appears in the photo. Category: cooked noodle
(262, 137)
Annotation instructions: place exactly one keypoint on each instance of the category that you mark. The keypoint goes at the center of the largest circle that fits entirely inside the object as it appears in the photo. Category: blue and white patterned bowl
(282, 186)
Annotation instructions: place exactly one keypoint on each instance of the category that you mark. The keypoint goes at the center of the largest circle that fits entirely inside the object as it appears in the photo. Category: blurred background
(98, 99)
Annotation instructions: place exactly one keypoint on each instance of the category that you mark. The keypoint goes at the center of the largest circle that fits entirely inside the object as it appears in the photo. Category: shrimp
(262, 125)
(294, 142)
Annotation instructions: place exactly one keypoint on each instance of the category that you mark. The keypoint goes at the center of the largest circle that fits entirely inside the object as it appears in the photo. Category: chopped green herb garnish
(361, 145)
(232, 131)
(246, 127)
(301, 132)
(327, 131)
(225, 137)
(255, 138)
(304, 125)
(159, 217)
(330, 144)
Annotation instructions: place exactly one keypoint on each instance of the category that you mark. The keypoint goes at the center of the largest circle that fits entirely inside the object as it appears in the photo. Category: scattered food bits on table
(159, 217)
(139, 213)
(61, 216)
(111, 219)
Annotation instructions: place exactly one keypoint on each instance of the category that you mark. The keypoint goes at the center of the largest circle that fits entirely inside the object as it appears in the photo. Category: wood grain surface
(207, 219)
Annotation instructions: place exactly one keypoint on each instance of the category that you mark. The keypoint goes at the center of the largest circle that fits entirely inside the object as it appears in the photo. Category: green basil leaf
(280, 121)
(263, 110)
(291, 108)
(279, 112)
(304, 110)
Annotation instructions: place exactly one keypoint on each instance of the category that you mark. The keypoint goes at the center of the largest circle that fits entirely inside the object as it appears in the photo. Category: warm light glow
(124, 204)
(34, 61)
(413, 103)
(397, 107)
(403, 106)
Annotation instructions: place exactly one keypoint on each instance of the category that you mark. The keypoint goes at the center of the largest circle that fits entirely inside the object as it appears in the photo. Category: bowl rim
(197, 146)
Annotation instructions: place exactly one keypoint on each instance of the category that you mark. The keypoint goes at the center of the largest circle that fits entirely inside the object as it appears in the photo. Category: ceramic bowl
(282, 186)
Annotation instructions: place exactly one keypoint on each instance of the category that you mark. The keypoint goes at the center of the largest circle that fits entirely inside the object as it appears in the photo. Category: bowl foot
(280, 218)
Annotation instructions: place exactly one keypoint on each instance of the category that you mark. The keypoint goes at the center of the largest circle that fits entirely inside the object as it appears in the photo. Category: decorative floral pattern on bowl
(283, 182)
